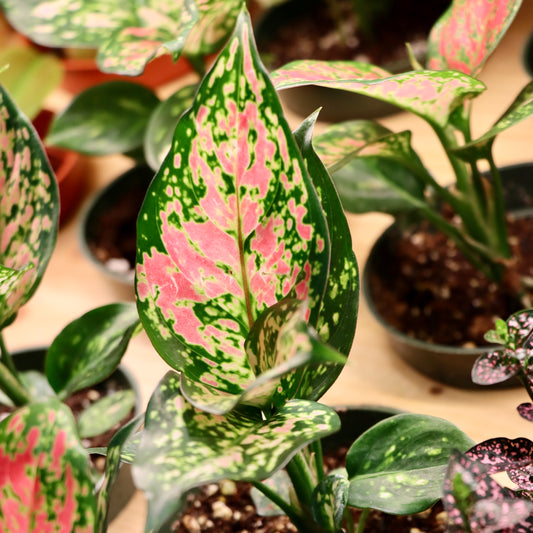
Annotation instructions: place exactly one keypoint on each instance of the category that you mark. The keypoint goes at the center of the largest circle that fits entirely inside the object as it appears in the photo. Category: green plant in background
(47, 480)
(377, 169)
(247, 286)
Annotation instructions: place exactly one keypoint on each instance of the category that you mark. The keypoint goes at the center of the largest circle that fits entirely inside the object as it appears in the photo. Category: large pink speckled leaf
(468, 32)
(127, 34)
(182, 447)
(45, 482)
(230, 225)
(29, 209)
(432, 95)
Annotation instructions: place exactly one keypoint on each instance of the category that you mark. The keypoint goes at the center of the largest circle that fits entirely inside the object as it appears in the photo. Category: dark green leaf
(105, 413)
(398, 465)
(162, 123)
(90, 348)
(105, 119)
(182, 447)
(29, 210)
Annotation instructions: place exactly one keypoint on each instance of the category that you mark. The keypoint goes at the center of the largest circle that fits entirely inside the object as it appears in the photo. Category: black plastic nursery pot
(108, 226)
(336, 105)
(451, 365)
(123, 488)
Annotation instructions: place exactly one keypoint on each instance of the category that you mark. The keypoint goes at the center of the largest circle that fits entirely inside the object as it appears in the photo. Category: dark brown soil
(228, 508)
(312, 33)
(427, 290)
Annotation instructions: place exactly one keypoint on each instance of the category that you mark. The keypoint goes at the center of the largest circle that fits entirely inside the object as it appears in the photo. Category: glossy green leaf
(468, 32)
(329, 501)
(230, 225)
(105, 119)
(113, 459)
(45, 483)
(30, 77)
(338, 313)
(182, 448)
(283, 350)
(520, 109)
(432, 95)
(105, 413)
(337, 143)
(160, 129)
(398, 465)
(90, 348)
(29, 209)
(127, 34)
(364, 186)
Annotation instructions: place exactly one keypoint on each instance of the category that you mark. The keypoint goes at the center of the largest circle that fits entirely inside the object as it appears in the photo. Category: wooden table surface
(374, 374)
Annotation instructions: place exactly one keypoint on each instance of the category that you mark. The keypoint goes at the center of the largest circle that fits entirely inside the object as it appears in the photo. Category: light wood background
(374, 374)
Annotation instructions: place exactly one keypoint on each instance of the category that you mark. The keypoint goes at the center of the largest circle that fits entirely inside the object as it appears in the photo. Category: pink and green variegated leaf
(474, 501)
(68, 23)
(182, 447)
(230, 225)
(432, 95)
(45, 482)
(216, 20)
(29, 209)
(337, 144)
(161, 27)
(127, 34)
(520, 109)
(282, 349)
(468, 32)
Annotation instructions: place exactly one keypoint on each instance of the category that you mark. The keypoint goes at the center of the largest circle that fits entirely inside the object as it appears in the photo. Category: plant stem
(301, 479)
(6, 357)
(316, 447)
(362, 520)
(12, 386)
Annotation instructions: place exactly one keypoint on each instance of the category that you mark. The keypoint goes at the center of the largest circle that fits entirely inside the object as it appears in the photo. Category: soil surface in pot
(429, 291)
(313, 33)
(228, 508)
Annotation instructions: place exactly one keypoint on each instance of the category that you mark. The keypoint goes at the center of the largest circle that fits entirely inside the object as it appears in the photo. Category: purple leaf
(526, 411)
(495, 367)
(502, 454)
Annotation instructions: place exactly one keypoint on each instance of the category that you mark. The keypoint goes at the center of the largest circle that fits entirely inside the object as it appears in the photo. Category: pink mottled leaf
(182, 447)
(45, 482)
(525, 410)
(230, 226)
(433, 95)
(468, 32)
(29, 209)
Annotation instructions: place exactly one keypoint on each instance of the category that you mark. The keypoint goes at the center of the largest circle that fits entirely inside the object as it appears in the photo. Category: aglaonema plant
(474, 499)
(247, 286)
(127, 35)
(377, 169)
(47, 482)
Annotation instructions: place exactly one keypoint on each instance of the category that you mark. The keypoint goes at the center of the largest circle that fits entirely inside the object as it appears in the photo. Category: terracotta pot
(450, 365)
(124, 488)
(108, 225)
(83, 72)
(68, 168)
